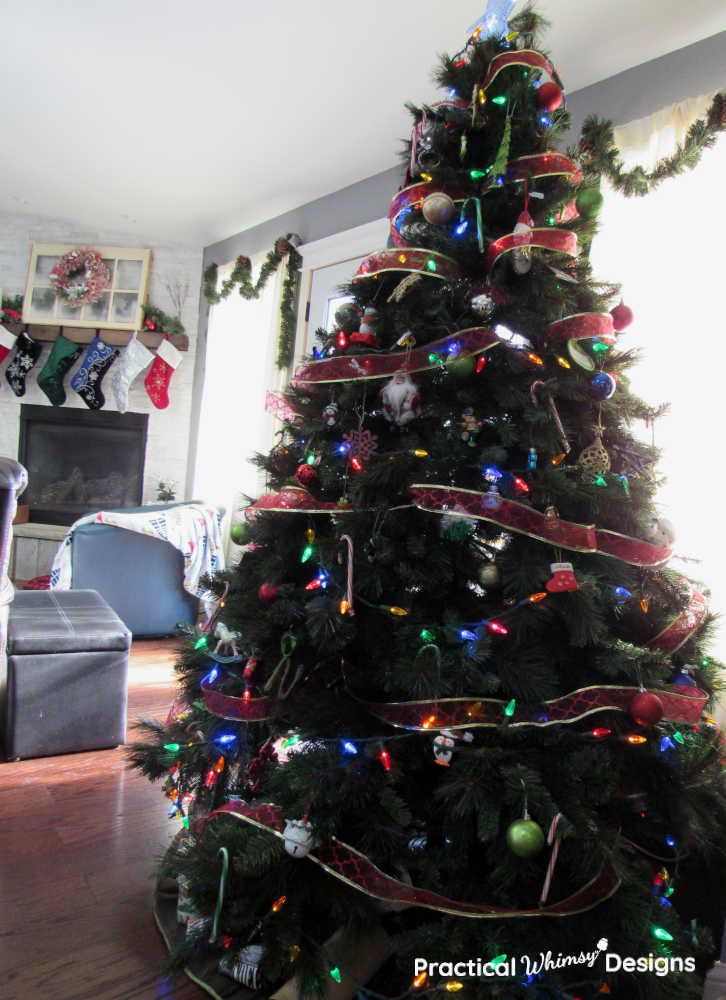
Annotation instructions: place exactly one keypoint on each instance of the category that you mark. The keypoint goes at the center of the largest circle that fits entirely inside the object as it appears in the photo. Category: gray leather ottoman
(68, 655)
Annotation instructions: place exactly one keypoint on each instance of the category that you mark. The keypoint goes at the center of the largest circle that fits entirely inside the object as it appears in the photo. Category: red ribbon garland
(238, 709)
(521, 57)
(582, 326)
(546, 238)
(550, 164)
(679, 705)
(413, 260)
(680, 631)
(295, 500)
(525, 520)
(356, 367)
(356, 870)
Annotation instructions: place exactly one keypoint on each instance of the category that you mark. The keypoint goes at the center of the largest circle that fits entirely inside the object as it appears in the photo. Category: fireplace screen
(80, 461)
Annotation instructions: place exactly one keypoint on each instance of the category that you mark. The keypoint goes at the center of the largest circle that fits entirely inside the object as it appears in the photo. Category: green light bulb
(600, 347)
(172, 746)
(476, 175)
(335, 974)
(498, 961)
(201, 642)
(310, 459)
(426, 635)
(500, 99)
(307, 552)
(431, 264)
(662, 934)
(679, 738)
(509, 710)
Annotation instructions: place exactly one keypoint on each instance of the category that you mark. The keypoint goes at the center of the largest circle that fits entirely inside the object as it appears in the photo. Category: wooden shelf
(81, 335)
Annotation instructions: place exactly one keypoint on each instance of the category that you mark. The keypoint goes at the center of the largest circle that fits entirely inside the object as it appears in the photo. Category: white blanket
(192, 528)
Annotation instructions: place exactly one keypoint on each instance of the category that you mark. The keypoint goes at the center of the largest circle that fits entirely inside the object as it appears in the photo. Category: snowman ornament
(299, 837)
(401, 400)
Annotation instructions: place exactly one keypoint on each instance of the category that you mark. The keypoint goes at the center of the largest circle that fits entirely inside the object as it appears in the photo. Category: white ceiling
(191, 121)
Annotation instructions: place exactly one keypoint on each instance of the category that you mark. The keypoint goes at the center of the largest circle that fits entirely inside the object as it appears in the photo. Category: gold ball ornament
(594, 458)
(490, 576)
(438, 208)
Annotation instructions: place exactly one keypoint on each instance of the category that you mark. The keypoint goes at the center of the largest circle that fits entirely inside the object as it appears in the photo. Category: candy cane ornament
(554, 842)
(346, 605)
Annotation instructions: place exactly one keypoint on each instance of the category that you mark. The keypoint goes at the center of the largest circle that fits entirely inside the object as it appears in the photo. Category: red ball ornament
(267, 593)
(306, 475)
(549, 97)
(622, 316)
(646, 708)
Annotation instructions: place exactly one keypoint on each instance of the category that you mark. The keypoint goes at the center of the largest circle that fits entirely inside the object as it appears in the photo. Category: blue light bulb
(349, 747)
(226, 738)
(462, 227)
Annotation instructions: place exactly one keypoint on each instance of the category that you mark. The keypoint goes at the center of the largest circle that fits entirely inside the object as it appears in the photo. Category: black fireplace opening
(80, 461)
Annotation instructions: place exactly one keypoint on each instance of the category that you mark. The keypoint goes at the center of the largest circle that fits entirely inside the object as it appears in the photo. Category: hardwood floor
(80, 836)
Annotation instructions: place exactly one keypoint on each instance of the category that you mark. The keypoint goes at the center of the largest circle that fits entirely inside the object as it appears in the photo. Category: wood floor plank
(80, 838)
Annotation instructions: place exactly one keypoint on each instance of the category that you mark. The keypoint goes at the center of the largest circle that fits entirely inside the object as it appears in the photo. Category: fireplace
(80, 461)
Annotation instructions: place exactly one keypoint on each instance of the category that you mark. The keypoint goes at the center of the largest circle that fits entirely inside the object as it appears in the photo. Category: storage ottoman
(68, 656)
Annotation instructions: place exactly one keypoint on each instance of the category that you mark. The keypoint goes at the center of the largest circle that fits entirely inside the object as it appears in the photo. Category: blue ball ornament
(602, 386)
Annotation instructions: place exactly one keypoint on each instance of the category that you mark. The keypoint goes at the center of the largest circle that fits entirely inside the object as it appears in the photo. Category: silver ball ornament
(438, 208)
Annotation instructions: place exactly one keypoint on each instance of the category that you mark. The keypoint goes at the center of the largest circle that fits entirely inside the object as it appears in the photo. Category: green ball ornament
(589, 203)
(525, 838)
(239, 533)
(461, 367)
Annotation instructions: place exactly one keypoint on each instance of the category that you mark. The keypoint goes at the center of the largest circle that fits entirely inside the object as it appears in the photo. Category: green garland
(159, 321)
(241, 276)
(600, 156)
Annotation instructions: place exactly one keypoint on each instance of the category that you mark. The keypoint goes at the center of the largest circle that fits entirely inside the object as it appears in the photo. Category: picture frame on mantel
(120, 306)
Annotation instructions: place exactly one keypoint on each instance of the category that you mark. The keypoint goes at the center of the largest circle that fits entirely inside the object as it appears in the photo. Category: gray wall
(635, 93)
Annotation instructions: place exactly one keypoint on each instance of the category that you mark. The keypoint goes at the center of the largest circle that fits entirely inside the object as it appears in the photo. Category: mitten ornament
(87, 380)
(7, 342)
(166, 362)
(27, 352)
(133, 359)
(61, 359)
(563, 578)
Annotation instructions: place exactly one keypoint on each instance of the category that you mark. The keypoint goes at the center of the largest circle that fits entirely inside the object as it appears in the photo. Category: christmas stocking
(27, 352)
(167, 360)
(7, 342)
(88, 378)
(134, 358)
(59, 363)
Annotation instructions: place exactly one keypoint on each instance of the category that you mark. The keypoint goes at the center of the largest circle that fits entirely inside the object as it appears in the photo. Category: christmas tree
(454, 697)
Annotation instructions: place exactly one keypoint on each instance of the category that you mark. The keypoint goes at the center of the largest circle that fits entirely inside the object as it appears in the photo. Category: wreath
(80, 277)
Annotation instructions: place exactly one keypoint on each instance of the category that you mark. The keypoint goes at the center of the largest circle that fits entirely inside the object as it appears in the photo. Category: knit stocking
(7, 342)
(167, 360)
(59, 363)
(88, 378)
(27, 352)
(134, 358)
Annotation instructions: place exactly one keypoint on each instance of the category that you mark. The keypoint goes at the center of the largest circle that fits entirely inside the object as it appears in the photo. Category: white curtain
(666, 250)
(240, 369)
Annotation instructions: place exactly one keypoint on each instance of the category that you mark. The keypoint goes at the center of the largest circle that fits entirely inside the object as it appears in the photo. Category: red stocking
(7, 342)
(167, 360)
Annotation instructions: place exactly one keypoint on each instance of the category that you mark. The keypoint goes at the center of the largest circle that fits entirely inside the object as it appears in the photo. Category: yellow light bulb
(310, 535)
(563, 362)
(482, 96)
(395, 610)
(429, 722)
(474, 709)
(344, 606)
(420, 453)
(426, 177)
(402, 258)
(453, 986)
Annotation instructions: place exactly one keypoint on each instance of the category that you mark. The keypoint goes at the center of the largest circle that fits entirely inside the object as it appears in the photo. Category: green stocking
(55, 369)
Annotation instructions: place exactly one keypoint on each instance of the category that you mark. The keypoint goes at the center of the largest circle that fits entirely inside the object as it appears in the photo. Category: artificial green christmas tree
(453, 692)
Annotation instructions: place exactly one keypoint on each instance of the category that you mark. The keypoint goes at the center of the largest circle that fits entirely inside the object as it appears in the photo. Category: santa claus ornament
(299, 837)
(401, 400)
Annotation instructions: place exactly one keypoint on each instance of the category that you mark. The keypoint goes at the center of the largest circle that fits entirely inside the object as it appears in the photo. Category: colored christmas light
(349, 747)
(498, 961)
(226, 738)
(419, 980)
(545, 120)
(598, 347)
(402, 258)
(462, 227)
(420, 452)
(342, 339)
(310, 535)
(539, 596)
(344, 448)
(399, 612)
(600, 480)
(278, 904)
(509, 710)
(172, 747)
(453, 986)
(211, 676)
(247, 695)
(476, 175)
(385, 759)
(559, 459)
(679, 738)
(426, 177)
(535, 358)
(335, 974)
(429, 722)
(667, 744)
(625, 484)
(294, 952)
(473, 709)
(499, 99)
(644, 605)
(431, 264)
(344, 607)
(499, 629)
(636, 740)
(426, 635)
(201, 642)
(622, 594)
(465, 634)
(600, 732)
(356, 463)
(481, 361)
(315, 584)
(433, 358)
(563, 362)
(521, 485)
(307, 552)
(662, 934)
(219, 766)
(532, 459)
